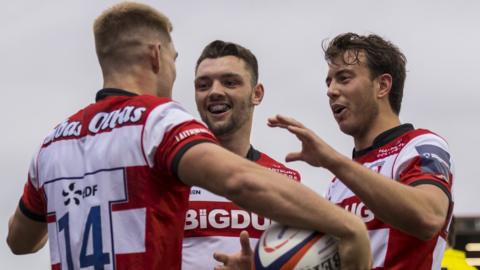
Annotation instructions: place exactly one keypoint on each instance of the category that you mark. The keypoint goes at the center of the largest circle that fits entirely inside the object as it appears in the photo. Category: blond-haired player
(110, 183)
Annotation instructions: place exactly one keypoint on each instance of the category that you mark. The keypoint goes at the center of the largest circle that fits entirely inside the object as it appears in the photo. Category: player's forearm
(407, 208)
(25, 235)
(263, 191)
(291, 203)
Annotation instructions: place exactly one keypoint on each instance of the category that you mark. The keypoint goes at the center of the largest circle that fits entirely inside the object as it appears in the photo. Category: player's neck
(237, 142)
(382, 123)
(130, 82)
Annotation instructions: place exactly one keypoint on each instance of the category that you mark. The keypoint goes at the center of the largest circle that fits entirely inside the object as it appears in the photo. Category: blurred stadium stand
(467, 238)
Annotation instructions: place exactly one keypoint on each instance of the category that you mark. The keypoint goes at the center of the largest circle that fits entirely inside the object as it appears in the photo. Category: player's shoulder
(421, 136)
(274, 165)
(425, 144)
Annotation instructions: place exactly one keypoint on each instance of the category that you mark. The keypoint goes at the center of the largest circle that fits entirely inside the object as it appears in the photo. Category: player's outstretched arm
(419, 211)
(274, 196)
(24, 234)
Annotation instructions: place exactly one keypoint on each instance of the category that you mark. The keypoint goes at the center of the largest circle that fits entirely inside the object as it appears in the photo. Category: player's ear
(257, 94)
(384, 85)
(154, 56)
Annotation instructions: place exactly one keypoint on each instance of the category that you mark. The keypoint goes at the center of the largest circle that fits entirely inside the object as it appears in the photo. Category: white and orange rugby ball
(285, 248)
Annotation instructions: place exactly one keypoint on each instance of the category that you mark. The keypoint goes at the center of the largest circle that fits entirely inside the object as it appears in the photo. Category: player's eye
(230, 83)
(344, 79)
(201, 85)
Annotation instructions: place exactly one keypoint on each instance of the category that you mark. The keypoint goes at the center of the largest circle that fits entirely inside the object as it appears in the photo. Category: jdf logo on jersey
(74, 195)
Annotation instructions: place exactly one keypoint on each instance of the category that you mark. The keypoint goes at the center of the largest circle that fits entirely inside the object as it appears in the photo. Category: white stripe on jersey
(438, 253)
(53, 243)
(379, 244)
(341, 193)
(66, 158)
(161, 120)
(202, 195)
(129, 230)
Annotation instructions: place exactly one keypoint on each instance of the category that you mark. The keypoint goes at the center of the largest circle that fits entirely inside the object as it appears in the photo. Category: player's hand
(314, 150)
(242, 260)
(355, 250)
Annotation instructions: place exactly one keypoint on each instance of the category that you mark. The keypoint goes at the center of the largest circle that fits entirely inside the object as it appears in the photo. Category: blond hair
(125, 26)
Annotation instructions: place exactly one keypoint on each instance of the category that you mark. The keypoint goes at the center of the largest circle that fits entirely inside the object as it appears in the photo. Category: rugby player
(399, 179)
(226, 92)
(110, 183)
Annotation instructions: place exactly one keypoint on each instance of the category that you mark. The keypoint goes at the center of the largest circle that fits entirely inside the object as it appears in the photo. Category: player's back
(113, 200)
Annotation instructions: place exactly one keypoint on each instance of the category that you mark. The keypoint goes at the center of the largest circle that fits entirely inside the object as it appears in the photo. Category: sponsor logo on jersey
(190, 132)
(224, 218)
(195, 191)
(360, 210)
(74, 195)
(103, 120)
(287, 173)
(64, 130)
(385, 152)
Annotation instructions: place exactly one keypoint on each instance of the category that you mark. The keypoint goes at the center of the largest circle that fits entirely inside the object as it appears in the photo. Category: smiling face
(352, 94)
(225, 95)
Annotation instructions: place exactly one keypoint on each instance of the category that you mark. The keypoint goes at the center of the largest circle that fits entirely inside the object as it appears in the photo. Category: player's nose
(333, 92)
(217, 89)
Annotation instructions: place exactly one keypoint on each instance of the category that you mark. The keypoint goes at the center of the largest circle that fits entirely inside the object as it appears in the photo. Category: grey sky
(49, 70)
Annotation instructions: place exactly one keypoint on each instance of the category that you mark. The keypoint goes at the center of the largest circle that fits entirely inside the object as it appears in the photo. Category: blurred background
(48, 70)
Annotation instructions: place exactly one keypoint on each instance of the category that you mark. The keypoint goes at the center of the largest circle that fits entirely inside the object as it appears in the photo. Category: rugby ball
(286, 248)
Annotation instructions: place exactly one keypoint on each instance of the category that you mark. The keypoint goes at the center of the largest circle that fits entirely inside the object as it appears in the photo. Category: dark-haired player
(400, 179)
(226, 92)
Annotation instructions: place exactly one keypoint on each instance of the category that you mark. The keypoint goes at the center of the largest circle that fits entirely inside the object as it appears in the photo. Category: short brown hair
(381, 57)
(128, 24)
(219, 48)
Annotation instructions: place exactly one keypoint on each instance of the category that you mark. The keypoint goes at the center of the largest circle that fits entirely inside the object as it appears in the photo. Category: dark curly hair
(219, 48)
(381, 57)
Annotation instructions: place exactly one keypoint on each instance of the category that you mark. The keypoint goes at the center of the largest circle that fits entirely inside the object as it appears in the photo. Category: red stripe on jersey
(33, 199)
(418, 256)
(51, 218)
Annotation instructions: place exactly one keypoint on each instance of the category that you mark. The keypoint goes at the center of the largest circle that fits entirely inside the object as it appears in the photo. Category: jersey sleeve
(32, 203)
(296, 176)
(169, 132)
(425, 160)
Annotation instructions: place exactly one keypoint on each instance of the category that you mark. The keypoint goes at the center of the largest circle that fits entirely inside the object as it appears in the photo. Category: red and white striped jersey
(214, 223)
(106, 182)
(412, 157)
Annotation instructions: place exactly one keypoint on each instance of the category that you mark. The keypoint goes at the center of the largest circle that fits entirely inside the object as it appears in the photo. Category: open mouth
(338, 109)
(218, 108)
